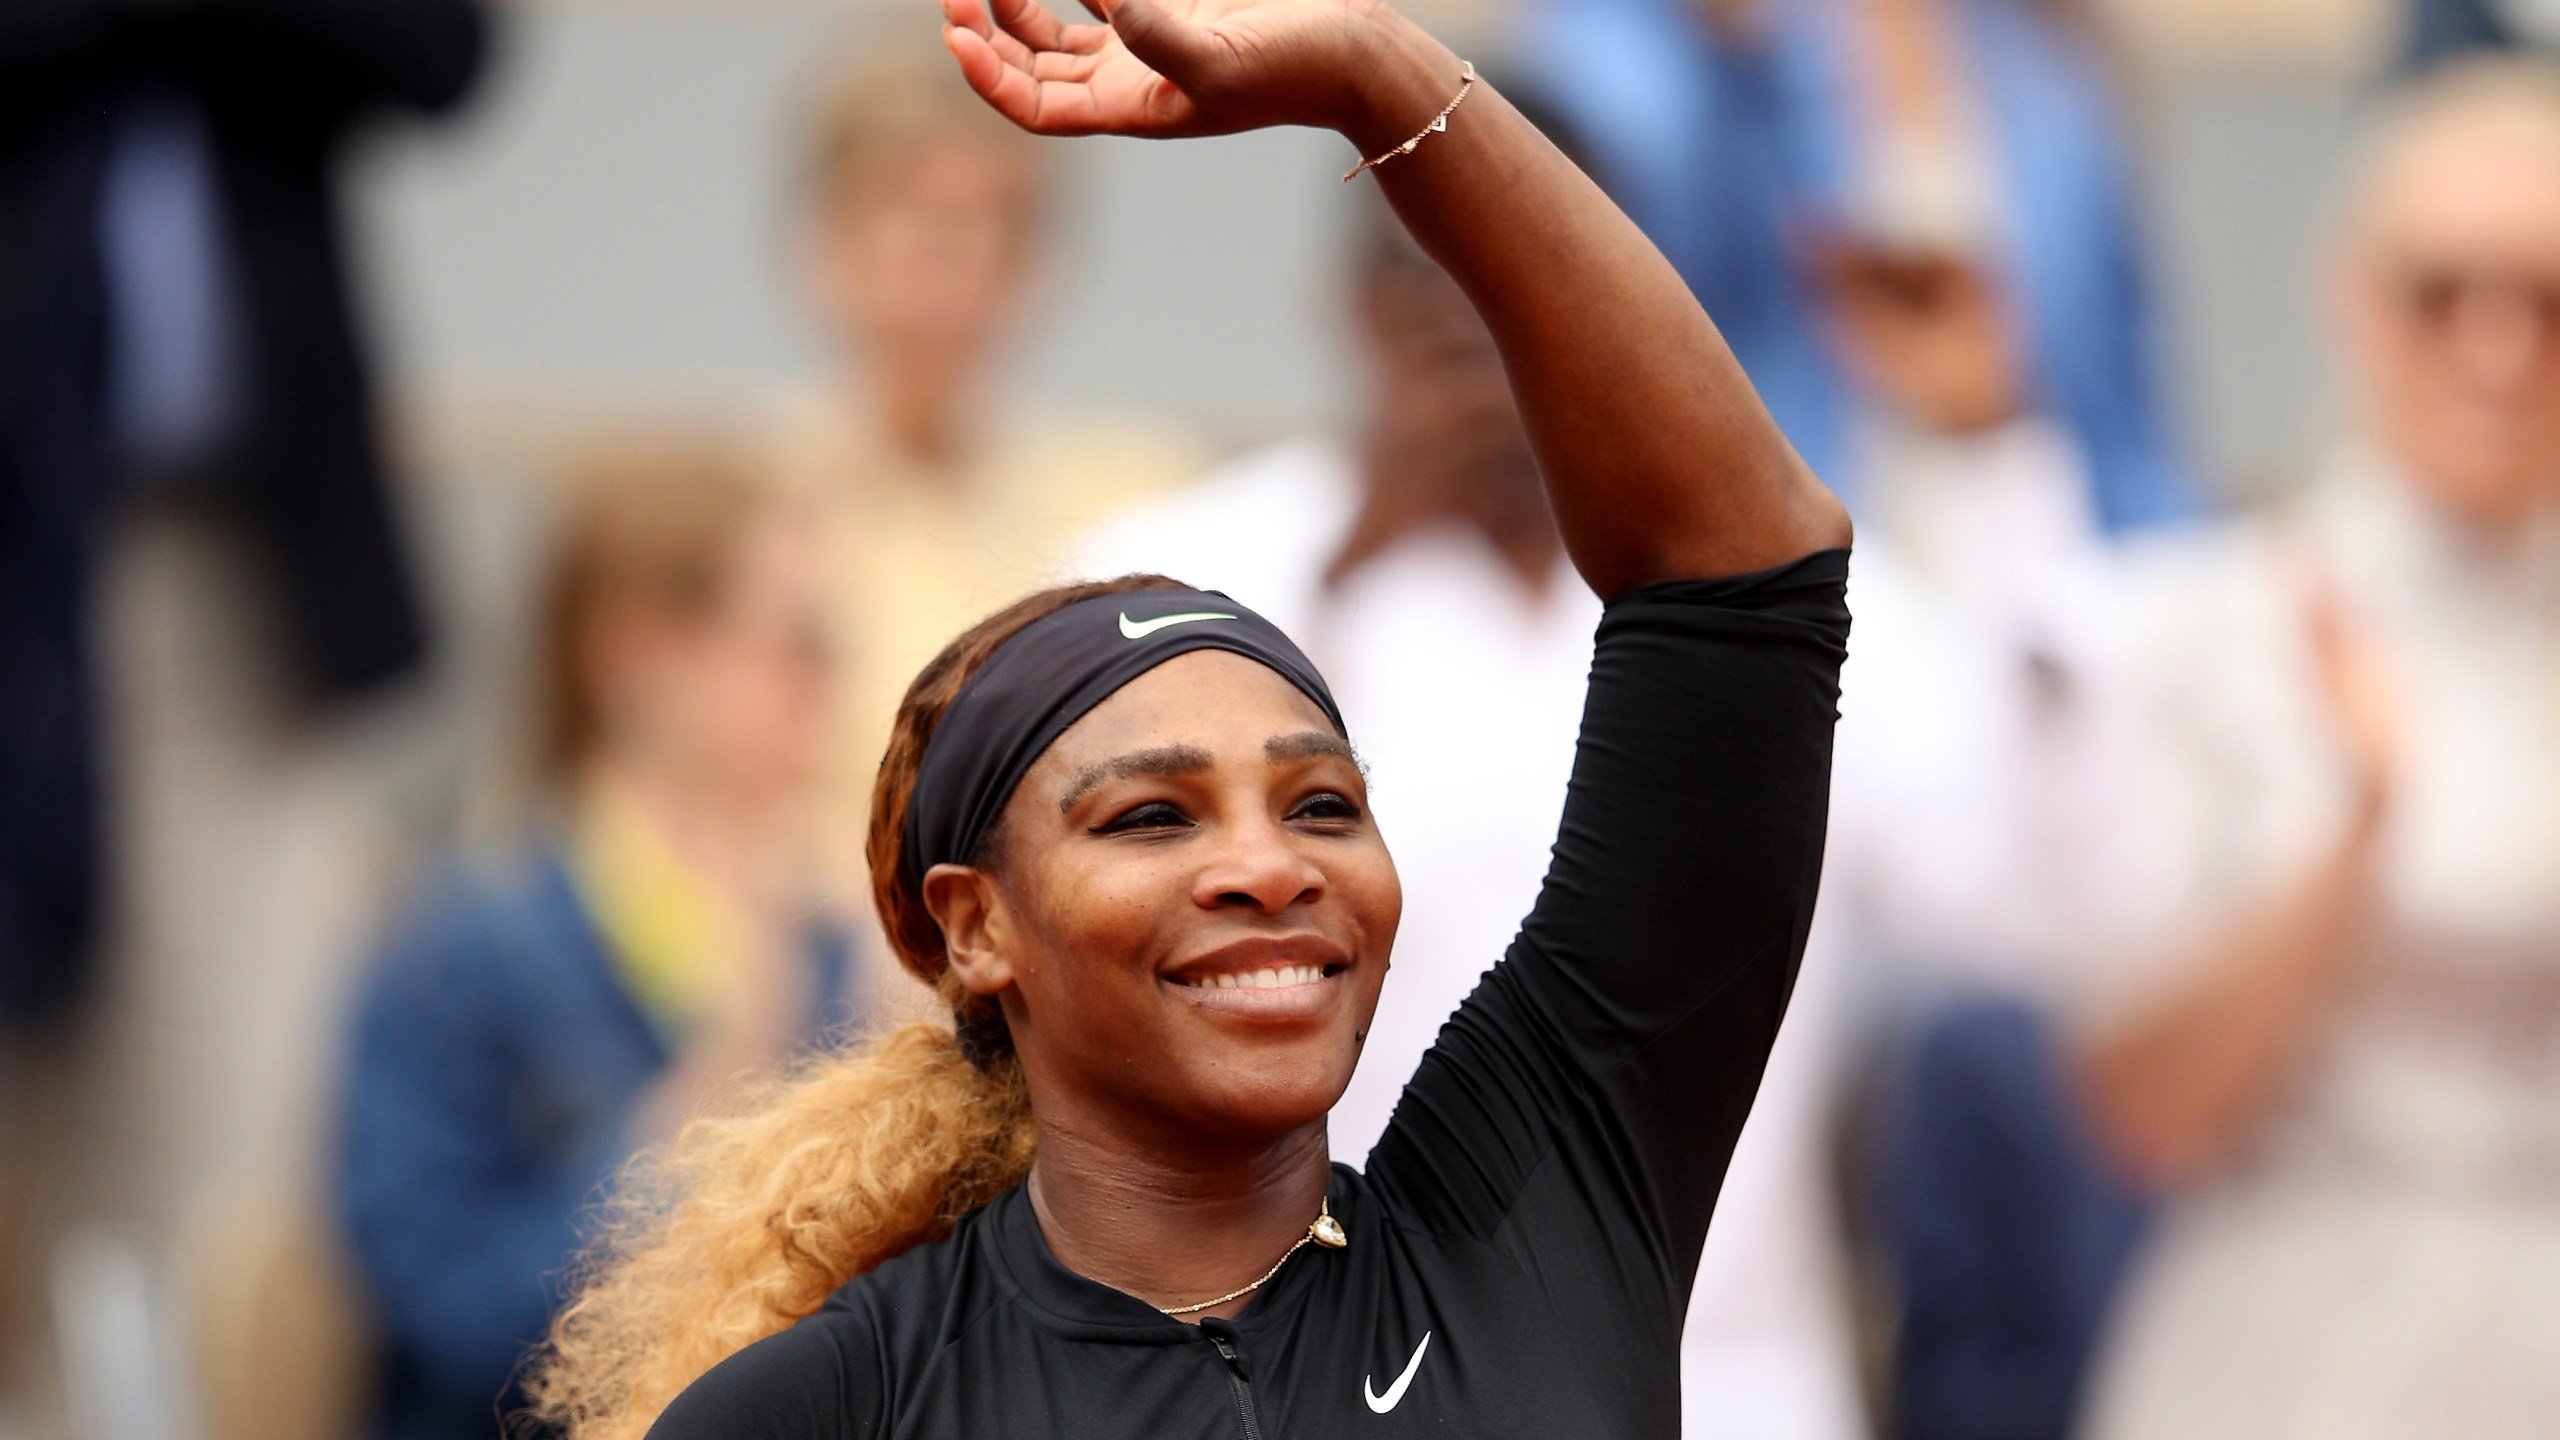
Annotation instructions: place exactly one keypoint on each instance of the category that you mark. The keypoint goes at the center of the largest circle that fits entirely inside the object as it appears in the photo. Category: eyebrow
(1157, 760)
(1308, 743)
(1191, 759)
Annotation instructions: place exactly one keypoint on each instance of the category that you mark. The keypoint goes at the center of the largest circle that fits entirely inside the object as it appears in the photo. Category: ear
(976, 926)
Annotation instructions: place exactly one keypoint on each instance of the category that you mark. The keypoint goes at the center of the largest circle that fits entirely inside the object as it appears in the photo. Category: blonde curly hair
(745, 1223)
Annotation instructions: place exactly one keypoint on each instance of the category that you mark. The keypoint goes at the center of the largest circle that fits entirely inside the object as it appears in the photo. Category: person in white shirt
(1976, 869)
(2349, 1088)
(1991, 610)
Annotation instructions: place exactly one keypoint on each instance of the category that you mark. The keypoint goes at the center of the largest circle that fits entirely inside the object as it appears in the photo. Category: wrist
(1403, 77)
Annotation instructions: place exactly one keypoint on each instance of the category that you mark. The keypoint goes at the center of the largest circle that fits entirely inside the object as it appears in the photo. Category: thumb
(1184, 53)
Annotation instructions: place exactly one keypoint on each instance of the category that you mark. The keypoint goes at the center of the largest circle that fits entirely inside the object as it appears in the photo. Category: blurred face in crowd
(2448, 295)
(1927, 335)
(736, 695)
(1446, 440)
(1190, 910)
(924, 248)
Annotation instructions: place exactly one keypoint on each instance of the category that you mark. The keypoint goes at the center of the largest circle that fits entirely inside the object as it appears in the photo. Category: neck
(921, 402)
(728, 842)
(1173, 1228)
(1505, 507)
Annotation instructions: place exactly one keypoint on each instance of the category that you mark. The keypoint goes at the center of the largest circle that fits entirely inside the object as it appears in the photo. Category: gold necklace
(1324, 1230)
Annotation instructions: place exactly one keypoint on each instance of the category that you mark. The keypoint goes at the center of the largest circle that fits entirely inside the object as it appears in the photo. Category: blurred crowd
(2178, 1049)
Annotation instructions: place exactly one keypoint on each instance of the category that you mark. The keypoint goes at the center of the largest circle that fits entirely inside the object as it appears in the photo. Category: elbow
(1825, 520)
(1765, 519)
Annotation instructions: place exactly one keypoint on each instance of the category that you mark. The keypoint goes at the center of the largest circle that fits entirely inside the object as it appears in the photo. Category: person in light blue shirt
(1738, 132)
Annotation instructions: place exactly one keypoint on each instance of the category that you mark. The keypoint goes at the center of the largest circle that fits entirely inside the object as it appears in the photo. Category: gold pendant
(1327, 1232)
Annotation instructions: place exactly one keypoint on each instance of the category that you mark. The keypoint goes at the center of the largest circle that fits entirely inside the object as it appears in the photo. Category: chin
(1267, 1096)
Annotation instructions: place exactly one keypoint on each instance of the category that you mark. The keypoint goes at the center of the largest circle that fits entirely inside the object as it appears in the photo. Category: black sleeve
(1580, 1108)
(819, 1380)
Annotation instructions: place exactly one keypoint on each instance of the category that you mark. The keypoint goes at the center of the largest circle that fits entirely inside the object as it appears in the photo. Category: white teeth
(1276, 977)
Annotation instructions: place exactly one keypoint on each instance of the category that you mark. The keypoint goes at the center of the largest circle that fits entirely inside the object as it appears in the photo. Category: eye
(1326, 805)
(1153, 815)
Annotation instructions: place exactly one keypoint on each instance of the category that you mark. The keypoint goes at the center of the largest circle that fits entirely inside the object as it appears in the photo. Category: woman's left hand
(1172, 68)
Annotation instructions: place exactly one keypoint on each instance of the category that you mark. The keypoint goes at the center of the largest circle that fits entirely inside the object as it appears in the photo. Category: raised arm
(1660, 461)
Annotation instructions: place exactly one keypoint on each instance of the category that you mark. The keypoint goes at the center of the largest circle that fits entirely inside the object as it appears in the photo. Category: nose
(1259, 866)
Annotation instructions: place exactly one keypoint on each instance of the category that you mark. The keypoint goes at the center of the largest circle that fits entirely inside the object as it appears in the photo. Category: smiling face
(1188, 911)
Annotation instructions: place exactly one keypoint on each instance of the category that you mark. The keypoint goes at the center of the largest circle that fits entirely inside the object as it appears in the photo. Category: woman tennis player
(1121, 829)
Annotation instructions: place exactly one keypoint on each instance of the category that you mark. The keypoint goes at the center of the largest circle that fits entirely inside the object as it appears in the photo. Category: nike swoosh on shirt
(1141, 629)
(1381, 1404)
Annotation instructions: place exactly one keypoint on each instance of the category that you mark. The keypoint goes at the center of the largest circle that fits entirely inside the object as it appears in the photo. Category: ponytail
(744, 1224)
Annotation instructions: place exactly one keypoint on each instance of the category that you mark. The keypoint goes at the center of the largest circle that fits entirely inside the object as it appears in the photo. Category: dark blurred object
(1729, 135)
(2007, 1236)
(2439, 29)
(565, 999)
(175, 310)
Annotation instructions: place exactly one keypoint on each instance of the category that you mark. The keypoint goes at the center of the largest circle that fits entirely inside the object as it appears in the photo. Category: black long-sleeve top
(1523, 1242)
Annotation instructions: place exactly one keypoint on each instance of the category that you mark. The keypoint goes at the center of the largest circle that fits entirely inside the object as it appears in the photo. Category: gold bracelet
(1439, 123)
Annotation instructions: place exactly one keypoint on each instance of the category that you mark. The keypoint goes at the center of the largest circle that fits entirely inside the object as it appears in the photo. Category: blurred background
(476, 474)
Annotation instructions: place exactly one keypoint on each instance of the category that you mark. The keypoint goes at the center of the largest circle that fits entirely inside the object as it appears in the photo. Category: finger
(969, 15)
(999, 84)
(1020, 29)
(1056, 66)
(1031, 23)
(1010, 50)
(1022, 33)
(1184, 53)
(1045, 107)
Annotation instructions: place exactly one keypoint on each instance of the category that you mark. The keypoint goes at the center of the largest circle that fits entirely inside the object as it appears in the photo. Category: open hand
(1168, 68)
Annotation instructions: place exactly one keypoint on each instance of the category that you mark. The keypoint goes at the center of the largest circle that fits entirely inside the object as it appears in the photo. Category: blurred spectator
(1734, 128)
(1984, 714)
(1419, 566)
(1974, 873)
(2441, 28)
(174, 311)
(2347, 1087)
(560, 1002)
(943, 497)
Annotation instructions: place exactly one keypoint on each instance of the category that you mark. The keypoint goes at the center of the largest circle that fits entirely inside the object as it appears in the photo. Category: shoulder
(478, 924)
(2213, 598)
(842, 1371)
(1072, 466)
(819, 1380)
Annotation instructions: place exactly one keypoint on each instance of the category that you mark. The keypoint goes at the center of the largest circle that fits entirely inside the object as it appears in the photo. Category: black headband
(1045, 677)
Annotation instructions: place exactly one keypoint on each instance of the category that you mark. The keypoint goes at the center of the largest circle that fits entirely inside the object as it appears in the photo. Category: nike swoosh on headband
(1381, 1404)
(1141, 629)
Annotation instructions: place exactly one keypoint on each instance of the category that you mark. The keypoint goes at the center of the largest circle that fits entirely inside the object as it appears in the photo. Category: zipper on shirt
(1224, 1338)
